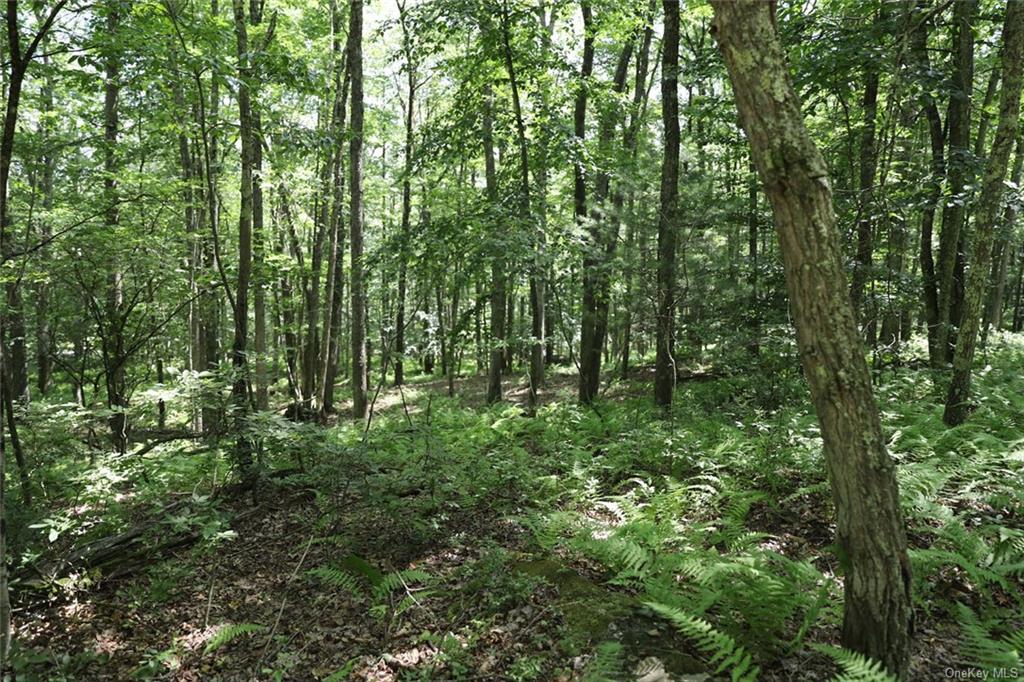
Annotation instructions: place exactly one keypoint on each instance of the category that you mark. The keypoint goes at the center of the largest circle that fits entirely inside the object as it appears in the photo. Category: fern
(229, 633)
(981, 647)
(607, 665)
(856, 667)
(723, 649)
(337, 578)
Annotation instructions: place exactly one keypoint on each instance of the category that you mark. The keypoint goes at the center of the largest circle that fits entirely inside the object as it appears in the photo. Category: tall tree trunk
(937, 139)
(959, 122)
(498, 278)
(113, 338)
(355, 159)
(1012, 59)
(1004, 245)
(209, 303)
(865, 204)
(603, 233)
(664, 364)
(239, 361)
(332, 292)
(403, 242)
(536, 238)
(44, 342)
(18, 60)
(878, 616)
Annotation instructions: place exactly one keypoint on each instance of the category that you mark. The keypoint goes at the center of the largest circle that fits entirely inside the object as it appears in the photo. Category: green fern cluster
(981, 648)
(725, 653)
(229, 633)
(855, 667)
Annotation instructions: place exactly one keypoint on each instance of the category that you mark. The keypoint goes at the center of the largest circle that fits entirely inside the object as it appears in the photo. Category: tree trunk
(937, 138)
(603, 233)
(536, 238)
(1004, 246)
(498, 337)
(357, 288)
(865, 204)
(664, 365)
(1012, 59)
(959, 122)
(332, 293)
(239, 392)
(870, 530)
(113, 337)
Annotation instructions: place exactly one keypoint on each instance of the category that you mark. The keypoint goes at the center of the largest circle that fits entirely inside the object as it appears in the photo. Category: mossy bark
(871, 537)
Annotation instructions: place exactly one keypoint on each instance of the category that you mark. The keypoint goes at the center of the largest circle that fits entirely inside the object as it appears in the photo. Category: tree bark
(871, 537)
(953, 214)
(403, 244)
(664, 367)
(239, 361)
(603, 233)
(865, 208)
(1012, 60)
(355, 157)
(498, 337)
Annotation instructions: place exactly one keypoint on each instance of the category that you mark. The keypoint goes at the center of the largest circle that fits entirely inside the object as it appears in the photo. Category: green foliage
(856, 667)
(607, 665)
(725, 653)
(981, 648)
(228, 633)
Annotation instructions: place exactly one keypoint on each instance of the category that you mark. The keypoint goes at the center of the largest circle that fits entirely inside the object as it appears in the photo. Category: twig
(284, 600)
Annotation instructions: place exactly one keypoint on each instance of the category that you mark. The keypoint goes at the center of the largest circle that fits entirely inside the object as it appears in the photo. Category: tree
(355, 160)
(239, 360)
(989, 209)
(665, 369)
(958, 121)
(878, 616)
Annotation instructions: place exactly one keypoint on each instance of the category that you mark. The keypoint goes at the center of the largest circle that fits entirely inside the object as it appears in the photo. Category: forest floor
(454, 541)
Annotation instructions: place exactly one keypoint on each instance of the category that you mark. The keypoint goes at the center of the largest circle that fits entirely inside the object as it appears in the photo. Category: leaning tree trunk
(1004, 246)
(664, 366)
(870, 530)
(957, 401)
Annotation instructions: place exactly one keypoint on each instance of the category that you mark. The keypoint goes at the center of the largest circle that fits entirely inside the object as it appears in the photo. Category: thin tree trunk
(498, 278)
(1004, 247)
(937, 139)
(664, 367)
(878, 613)
(536, 273)
(959, 122)
(334, 262)
(113, 337)
(865, 205)
(603, 233)
(243, 448)
(1012, 59)
(356, 289)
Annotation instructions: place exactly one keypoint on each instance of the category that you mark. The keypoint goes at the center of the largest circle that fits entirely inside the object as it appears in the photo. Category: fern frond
(337, 578)
(723, 649)
(982, 649)
(856, 667)
(607, 665)
(231, 632)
